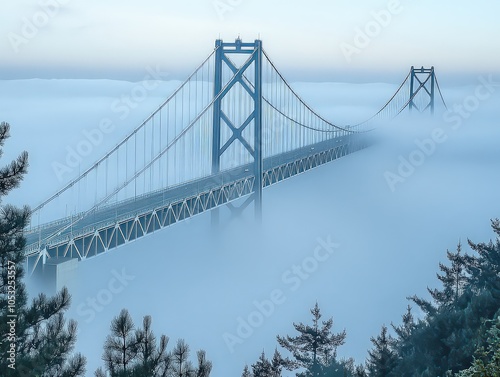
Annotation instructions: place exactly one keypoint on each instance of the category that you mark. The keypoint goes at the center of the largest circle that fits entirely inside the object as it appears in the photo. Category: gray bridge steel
(115, 225)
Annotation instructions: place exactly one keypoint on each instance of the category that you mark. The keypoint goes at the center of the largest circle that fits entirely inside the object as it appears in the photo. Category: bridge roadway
(61, 231)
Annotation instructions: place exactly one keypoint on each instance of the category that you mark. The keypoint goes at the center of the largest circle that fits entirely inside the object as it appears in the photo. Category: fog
(382, 219)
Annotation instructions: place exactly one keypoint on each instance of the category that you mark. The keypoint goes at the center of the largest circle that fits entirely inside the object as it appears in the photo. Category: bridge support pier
(51, 276)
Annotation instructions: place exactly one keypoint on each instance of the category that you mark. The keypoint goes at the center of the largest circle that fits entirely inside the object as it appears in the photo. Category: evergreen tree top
(315, 347)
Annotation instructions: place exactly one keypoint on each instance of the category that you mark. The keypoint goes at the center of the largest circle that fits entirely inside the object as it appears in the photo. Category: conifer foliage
(313, 351)
(315, 348)
(37, 341)
(130, 352)
(458, 333)
(264, 367)
(487, 359)
(453, 278)
(445, 340)
(382, 358)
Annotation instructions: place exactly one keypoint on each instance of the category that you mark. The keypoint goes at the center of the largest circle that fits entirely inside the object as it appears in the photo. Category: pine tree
(246, 372)
(134, 353)
(454, 279)
(122, 346)
(444, 341)
(182, 366)
(276, 364)
(204, 366)
(403, 344)
(381, 359)
(39, 334)
(315, 346)
(405, 330)
(152, 360)
(263, 367)
(12, 174)
(485, 268)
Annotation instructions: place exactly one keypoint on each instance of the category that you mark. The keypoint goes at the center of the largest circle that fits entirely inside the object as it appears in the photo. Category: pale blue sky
(118, 39)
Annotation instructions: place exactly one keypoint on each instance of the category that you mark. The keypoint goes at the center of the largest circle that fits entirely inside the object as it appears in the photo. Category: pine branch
(12, 175)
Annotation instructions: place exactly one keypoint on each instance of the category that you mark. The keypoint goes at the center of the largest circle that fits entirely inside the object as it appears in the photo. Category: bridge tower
(422, 80)
(252, 68)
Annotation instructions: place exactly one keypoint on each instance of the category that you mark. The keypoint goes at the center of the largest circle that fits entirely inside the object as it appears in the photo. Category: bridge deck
(61, 236)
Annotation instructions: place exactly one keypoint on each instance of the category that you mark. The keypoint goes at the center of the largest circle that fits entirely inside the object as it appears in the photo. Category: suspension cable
(388, 102)
(80, 177)
(440, 94)
(299, 98)
(137, 174)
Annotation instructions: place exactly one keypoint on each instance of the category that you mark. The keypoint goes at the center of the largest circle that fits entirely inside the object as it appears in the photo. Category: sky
(317, 40)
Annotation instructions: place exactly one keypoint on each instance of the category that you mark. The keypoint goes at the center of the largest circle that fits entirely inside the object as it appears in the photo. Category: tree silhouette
(130, 352)
(382, 358)
(39, 335)
(315, 348)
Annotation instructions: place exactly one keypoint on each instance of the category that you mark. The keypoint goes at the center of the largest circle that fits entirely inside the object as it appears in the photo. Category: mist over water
(198, 283)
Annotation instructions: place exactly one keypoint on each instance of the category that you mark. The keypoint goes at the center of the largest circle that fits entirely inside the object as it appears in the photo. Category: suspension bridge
(232, 128)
